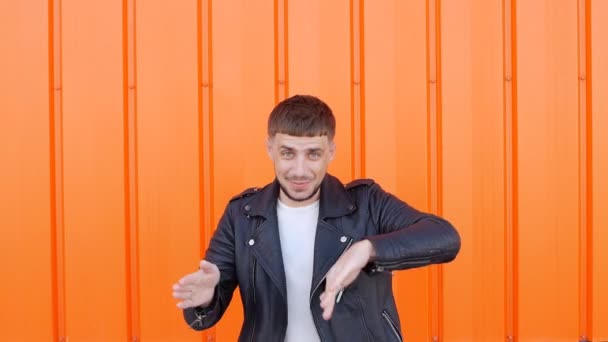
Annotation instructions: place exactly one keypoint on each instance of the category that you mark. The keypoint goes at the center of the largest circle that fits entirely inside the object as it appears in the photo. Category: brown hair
(302, 116)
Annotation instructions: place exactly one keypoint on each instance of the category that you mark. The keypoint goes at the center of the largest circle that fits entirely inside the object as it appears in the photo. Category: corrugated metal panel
(25, 195)
(598, 61)
(127, 126)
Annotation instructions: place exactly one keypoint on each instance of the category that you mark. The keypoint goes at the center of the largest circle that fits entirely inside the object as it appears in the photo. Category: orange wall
(127, 125)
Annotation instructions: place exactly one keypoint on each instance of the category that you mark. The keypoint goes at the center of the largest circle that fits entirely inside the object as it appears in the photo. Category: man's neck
(295, 203)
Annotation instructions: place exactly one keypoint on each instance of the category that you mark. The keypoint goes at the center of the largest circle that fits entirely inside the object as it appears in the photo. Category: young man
(312, 258)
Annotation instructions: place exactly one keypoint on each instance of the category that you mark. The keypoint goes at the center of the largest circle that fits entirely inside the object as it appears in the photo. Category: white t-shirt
(297, 229)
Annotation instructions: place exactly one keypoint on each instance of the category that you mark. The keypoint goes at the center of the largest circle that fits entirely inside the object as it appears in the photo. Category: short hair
(302, 116)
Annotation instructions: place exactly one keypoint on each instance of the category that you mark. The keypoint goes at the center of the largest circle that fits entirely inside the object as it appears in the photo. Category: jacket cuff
(197, 317)
(421, 244)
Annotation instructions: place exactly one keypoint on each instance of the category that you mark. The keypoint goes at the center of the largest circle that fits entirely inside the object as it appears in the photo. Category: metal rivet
(343, 239)
(251, 242)
(247, 207)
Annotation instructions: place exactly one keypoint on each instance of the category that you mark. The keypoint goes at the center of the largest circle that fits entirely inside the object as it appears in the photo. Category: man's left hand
(343, 273)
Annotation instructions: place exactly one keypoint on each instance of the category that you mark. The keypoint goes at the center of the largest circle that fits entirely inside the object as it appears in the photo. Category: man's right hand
(197, 289)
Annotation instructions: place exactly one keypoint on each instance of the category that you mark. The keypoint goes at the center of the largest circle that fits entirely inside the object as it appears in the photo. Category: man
(312, 258)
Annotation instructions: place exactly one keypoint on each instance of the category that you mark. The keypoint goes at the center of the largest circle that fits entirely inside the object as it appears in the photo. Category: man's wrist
(371, 251)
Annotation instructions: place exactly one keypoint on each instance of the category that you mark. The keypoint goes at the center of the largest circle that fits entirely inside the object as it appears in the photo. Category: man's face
(300, 163)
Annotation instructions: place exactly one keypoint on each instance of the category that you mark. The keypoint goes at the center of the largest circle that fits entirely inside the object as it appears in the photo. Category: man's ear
(332, 150)
(269, 147)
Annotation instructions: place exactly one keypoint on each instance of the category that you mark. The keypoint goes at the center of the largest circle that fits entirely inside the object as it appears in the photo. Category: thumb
(206, 266)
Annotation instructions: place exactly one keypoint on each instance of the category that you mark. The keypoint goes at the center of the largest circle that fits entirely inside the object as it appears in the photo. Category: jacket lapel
(330, 241)
(265, 241)
(267, 251)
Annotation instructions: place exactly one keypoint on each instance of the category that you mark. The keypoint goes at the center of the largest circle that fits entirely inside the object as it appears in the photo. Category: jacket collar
(334, 200)
(331, 240)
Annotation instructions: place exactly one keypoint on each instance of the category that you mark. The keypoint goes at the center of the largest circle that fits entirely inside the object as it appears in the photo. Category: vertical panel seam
(439, 112)
(428, 99)
(582, 193)
(281, 59)
(205, 129)
(131, 170)
(430, 66)
(276, 49)
(510, 167)
(439, 163)
(352, 87)
(286, 45)
(357, 101)
(507, 107)
(362, 86)
(56, 172)
(589, 142)
(434, 155)
(585, 168)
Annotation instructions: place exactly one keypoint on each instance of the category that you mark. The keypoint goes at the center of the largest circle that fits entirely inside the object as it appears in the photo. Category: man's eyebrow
(309, 150)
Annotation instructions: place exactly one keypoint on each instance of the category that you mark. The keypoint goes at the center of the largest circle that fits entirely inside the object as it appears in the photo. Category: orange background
(127, 125)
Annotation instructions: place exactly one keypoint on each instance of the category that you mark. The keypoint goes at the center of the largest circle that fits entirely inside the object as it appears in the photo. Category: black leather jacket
(247, 250)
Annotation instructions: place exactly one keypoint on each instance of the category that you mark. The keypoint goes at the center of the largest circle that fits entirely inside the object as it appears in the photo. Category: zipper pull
(198, 320)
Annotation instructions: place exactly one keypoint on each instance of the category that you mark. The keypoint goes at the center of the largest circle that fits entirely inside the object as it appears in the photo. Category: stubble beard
(312, 194)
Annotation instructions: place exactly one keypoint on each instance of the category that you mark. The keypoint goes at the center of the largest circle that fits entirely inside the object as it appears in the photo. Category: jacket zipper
(350, 242)
(255, 262)
(380, 266)
(392, 325)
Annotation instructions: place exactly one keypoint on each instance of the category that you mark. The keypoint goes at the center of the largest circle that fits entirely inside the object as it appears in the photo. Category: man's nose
(300, 166)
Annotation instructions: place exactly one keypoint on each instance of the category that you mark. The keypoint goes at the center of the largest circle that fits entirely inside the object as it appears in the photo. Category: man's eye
(315, 155)
(287, 154)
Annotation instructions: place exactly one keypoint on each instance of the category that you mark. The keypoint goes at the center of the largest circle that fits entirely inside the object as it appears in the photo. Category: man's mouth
(300, 184)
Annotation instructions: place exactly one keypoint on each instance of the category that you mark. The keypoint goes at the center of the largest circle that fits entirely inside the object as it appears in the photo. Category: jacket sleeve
(407, 238)
(220, 253)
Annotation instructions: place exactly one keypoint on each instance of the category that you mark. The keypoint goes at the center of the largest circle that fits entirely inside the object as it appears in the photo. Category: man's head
(300, 143)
